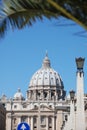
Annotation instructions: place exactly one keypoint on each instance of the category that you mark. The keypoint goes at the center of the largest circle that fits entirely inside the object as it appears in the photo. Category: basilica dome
(46, 83)
(46, 76)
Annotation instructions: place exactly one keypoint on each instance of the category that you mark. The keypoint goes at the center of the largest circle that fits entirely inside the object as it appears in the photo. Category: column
(50, 94)
(80, 116)
(31, 123)
(39, 117)
(53, 123)
(72, 116)
(34, 94)
(8, 123)
(47, 123)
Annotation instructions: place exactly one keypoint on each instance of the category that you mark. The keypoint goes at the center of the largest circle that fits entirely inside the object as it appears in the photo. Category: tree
(20, 13)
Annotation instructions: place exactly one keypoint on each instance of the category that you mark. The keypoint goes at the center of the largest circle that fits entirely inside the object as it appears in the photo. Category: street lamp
(80, 63)
(80, 113)
(72, 95)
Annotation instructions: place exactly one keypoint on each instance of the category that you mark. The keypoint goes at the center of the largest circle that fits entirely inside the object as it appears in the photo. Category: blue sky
(22, 52)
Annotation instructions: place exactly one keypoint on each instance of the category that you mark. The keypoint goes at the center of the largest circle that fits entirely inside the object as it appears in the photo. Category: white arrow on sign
(23, 127)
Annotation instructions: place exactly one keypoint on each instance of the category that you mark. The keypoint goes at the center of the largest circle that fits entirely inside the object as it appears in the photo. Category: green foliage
(17, 14)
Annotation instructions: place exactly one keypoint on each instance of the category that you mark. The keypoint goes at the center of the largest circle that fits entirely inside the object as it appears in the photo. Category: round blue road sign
(23, 126)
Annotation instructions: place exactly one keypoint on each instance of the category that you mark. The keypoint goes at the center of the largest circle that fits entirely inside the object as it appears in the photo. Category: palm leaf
(20, 13)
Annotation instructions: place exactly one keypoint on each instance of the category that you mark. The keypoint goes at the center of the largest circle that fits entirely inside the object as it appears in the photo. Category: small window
(15, 106)
(24, 106)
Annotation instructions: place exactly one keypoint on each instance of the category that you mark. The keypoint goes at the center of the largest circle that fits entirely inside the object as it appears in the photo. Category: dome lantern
(46, 62)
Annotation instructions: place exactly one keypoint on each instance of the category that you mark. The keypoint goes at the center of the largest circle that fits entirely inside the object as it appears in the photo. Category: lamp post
(72, 110)
(72, 95)
(80, 114)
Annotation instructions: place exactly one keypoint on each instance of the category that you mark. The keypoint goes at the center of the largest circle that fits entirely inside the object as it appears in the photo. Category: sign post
(23, 126)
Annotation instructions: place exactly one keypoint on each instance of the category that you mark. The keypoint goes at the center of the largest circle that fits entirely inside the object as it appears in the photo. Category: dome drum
(45, 94)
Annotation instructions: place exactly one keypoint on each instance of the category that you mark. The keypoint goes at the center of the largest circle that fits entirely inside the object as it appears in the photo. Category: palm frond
(20, 13)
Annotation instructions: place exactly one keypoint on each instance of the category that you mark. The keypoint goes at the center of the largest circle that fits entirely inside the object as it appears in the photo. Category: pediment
(42, 108)
(45, 108)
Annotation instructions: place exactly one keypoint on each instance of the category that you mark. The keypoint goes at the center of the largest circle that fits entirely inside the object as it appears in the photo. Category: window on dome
(57, 81)
(38, 95)
(52, 95)
(52, 81)
(45, 95)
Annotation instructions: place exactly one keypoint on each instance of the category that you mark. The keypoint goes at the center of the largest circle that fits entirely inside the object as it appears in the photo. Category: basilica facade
(45, 107)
